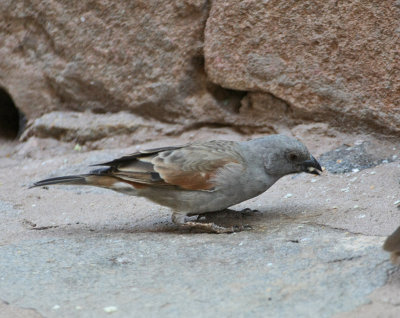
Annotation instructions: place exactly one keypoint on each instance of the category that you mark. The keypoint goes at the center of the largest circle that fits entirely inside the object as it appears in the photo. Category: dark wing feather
(191, 167)
(136, 155)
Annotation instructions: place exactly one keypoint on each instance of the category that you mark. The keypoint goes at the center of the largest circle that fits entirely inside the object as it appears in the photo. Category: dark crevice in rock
(228, 98)
(12, 120)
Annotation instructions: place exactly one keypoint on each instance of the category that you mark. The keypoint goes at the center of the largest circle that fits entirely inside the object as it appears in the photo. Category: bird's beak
(312, 166)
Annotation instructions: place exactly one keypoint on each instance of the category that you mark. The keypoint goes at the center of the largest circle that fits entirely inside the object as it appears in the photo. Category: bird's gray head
(284, 155)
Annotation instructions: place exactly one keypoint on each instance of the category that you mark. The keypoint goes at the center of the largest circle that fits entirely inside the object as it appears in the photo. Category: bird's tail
(77, 179)
(99, 178)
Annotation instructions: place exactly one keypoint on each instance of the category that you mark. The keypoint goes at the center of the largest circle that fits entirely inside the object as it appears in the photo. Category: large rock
(270, 64)
(330, 61)
(144, 57)
(84, 127)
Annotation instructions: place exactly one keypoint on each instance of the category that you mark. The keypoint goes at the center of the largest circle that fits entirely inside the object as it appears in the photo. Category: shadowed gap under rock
(12, 120)
(229, 99)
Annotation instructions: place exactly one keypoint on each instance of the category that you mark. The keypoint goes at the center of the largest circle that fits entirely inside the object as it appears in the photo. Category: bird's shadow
(256, 219)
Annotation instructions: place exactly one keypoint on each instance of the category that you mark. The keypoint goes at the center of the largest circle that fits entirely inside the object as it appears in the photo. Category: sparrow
(200, 177)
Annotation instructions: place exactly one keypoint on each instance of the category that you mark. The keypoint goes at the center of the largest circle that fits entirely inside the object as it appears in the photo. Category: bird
(200, 177)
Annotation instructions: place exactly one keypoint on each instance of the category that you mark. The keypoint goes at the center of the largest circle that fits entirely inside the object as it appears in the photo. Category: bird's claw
(249, 212)
(239, 228)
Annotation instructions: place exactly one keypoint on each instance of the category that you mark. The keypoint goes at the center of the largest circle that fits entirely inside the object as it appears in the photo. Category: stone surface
(108, 78)
(88, 127)
(7, 310)
(328, 60)
(354, 158)
(206, 276)
(86, 252)
(385, 301)
(267, 63)
(143, 57)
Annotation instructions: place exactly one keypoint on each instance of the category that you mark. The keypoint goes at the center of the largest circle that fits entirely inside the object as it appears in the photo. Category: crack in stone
(346, 259)
(41, 228)
(338, 228)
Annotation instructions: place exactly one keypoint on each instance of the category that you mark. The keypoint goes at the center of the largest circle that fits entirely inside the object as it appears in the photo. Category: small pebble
(55, 307)
(361, 216)
(345, 189)
(397, 202)
(83, 19)
(313, 180)
(355, 170)
(287, 196)
(110, 309)
(355, 207)
(372, 172)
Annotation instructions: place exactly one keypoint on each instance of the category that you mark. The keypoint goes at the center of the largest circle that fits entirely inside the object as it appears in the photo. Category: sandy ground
(314, 251)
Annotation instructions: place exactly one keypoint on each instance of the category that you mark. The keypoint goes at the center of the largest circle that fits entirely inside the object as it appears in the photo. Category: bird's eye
(293, 157)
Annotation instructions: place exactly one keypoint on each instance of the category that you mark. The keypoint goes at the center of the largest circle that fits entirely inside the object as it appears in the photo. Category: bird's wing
(191, 167)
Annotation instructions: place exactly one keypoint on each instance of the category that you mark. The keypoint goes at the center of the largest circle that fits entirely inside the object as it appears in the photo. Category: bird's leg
(179, 219)
(205, 215)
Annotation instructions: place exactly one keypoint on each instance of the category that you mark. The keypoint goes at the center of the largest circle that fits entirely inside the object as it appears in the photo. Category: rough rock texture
(245, 274)
(106, 56)
(286, 61)
(101, 74)
(315, 249)
(329, 60)
(88, 127)
(385, 301)
(8, 310)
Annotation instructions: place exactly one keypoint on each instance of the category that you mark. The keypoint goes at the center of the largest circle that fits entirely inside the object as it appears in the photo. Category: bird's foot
(249, 212)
